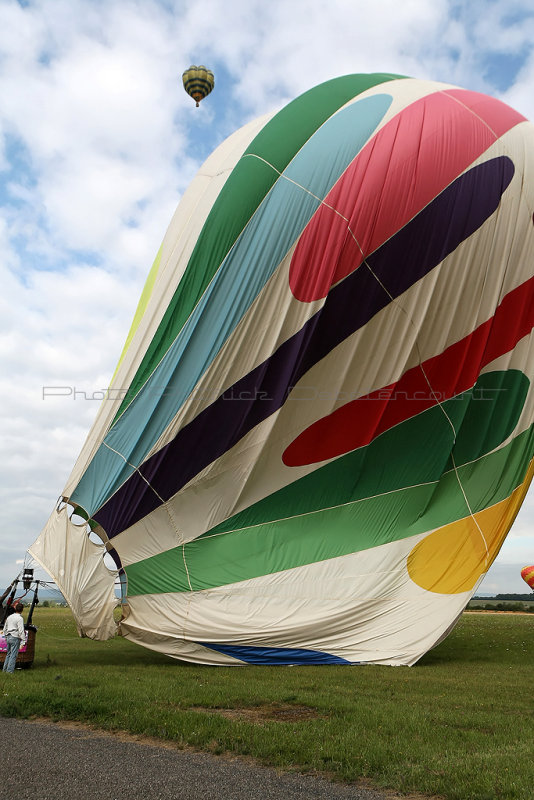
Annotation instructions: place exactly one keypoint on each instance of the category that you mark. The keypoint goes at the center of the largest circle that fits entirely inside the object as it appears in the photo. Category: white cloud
(520, 96)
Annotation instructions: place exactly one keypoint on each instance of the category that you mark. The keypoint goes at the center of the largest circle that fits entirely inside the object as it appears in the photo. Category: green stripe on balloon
(483, 418)
(217, 560)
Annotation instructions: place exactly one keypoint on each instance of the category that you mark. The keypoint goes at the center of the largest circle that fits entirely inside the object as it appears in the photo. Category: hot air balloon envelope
(321, 427)
(198, 82)
(527, 573)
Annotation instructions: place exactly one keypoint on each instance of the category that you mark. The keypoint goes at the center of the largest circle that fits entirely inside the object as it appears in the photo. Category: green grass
(460, 724)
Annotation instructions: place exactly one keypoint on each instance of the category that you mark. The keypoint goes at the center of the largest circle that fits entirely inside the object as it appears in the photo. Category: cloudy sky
(97, 143)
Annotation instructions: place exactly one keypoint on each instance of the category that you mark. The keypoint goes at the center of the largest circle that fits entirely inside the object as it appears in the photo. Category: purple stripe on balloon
(421, 245)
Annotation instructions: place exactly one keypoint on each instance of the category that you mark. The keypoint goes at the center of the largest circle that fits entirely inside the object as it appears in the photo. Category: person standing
(15, 637)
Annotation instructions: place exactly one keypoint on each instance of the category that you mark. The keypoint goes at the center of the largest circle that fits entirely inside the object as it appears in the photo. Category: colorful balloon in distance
(198, 82)
(527, 573)
(321, 427)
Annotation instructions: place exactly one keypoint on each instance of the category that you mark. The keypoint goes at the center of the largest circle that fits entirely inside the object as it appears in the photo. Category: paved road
(45, 761)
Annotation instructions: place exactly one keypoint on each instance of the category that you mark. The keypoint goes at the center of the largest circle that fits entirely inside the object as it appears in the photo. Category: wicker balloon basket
(26, 655)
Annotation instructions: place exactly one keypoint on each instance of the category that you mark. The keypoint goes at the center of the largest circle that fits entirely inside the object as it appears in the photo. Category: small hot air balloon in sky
(321, 427)
(198, 82)
(527, 573)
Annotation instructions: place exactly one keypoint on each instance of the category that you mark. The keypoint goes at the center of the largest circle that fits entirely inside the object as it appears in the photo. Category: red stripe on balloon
(452, 372)
(498, 116)
(391, 180)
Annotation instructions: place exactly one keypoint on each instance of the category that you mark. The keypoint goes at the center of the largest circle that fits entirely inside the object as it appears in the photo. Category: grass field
(460, 724)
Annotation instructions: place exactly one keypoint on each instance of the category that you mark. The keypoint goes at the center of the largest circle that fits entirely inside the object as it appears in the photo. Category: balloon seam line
(470, 110)
(168, 509)
(186, 569)
(320, 510)
(134, 468)
(473, 516)
(297, 184)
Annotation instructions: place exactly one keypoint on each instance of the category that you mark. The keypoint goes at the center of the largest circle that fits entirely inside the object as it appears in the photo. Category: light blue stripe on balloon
(264, 242)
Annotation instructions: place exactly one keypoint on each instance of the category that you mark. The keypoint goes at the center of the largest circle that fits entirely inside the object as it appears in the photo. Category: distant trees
(503, 602)
(509, 607)
(518, 598)
(522, 597)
